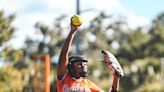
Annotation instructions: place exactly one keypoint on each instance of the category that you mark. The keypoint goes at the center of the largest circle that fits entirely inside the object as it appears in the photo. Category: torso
(69, 84)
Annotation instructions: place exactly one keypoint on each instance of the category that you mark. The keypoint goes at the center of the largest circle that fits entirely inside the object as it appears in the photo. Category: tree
(14, 70)
(6, 30)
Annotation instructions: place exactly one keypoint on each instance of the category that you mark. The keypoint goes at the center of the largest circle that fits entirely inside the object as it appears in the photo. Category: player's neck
(77, 77)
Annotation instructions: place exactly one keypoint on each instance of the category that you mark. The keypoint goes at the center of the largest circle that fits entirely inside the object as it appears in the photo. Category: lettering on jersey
(66, 88)
(75, 89)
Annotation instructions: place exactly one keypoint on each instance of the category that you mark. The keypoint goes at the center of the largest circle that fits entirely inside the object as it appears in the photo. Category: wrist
(72, 32)
(116, 77)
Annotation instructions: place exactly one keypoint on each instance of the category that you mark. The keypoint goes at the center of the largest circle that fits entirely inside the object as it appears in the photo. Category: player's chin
(83, 73)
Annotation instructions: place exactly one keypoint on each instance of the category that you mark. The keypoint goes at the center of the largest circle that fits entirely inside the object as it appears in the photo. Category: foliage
(6, 30)
(12, 79)
(14, 70)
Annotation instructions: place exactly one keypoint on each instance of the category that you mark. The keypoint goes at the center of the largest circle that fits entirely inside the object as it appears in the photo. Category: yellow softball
(76, 20)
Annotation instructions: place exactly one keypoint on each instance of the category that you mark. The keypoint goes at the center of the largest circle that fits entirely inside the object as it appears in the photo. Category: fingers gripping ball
(76, 20)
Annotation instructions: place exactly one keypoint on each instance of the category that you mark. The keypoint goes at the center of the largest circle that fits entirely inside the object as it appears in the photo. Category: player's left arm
(115, 68)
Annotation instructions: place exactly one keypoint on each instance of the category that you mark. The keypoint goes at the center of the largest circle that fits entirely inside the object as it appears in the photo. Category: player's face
(81, 68)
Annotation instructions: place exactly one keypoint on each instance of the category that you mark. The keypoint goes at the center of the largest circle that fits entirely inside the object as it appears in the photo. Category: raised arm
(63, 58)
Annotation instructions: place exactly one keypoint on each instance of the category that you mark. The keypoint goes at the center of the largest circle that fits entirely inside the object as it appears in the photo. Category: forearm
(67, 45)
(115, 84)
(63, 58)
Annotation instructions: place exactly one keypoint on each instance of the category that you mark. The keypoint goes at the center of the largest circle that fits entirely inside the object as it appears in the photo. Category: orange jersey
(70, 84)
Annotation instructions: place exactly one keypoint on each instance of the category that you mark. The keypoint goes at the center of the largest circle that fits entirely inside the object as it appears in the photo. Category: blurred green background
(139, 52)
